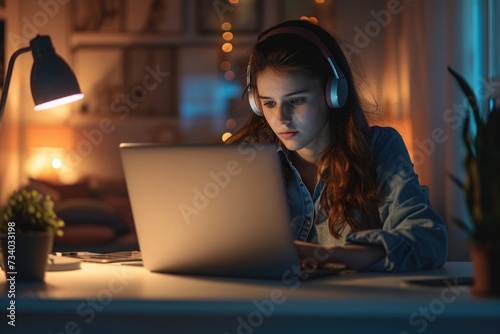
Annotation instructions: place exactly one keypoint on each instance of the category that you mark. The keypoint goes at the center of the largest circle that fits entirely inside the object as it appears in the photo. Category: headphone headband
(336, 88)
(308, 36)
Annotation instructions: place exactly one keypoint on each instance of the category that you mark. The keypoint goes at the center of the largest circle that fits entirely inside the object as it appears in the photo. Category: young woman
(353, 195)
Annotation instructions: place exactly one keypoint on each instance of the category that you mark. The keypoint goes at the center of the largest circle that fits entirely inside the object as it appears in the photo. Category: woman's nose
(284, 113)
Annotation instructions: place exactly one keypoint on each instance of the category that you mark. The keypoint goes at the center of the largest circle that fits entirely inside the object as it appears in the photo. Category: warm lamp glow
(50, 163)
(59, 102)
(45, 162)
(49, 136)
(53, 83)
(56, 163)
(226, 26)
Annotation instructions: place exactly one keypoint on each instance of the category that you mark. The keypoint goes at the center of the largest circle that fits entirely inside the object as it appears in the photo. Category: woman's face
(294, 106)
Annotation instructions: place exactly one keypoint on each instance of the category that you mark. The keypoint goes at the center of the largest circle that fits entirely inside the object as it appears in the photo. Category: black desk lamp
(53, 83)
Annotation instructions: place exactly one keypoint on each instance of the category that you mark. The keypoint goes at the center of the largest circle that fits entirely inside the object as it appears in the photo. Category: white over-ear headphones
(336, 87)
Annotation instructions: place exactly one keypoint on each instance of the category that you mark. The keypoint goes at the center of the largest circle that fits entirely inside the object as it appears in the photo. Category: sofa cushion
(102, 187)
(83, 235)
(61, 191)
(88, 211)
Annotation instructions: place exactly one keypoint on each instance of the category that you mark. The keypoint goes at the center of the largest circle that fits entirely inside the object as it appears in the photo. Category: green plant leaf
(482, 167)
(475, 189)
(469, 93)
(31, 212)
(466, 136)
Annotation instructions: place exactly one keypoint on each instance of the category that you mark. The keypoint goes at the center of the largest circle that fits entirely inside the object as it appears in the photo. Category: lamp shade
(52, 81)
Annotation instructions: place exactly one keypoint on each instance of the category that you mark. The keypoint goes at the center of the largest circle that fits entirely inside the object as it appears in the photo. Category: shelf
(125, 39)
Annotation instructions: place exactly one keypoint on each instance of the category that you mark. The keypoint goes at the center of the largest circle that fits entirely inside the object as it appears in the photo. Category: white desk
(129, 299)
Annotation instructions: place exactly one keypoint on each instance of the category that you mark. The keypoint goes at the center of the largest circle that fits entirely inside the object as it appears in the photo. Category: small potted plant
(28, 225)
(482, 191)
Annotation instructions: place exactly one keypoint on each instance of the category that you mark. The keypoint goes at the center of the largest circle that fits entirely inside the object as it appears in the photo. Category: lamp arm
(10, 67)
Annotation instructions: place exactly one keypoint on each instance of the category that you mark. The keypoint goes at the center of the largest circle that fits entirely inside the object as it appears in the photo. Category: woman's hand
(313, 255)
(354, 256)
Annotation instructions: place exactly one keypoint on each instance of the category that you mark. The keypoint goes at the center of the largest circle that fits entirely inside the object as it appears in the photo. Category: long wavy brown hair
(345, 165)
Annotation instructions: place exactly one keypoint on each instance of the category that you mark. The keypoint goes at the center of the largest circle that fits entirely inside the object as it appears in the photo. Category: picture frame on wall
(97, 15)
(245, 16)
(100, 73)
(121, 82)
(132, 16)
(151, 80)
(154, 16)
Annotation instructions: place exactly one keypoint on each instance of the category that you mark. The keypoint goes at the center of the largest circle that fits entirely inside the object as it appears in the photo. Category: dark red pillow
(78, 235)
(64, 191)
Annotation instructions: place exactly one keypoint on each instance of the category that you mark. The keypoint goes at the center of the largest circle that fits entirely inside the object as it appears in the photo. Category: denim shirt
(411, 231)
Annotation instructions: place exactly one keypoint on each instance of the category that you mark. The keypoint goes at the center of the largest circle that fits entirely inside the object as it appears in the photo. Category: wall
(10, 124)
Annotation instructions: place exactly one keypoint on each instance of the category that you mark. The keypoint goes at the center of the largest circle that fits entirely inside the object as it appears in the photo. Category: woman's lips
(288, 134)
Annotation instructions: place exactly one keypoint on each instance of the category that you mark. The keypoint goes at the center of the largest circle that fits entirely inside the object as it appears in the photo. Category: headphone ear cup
(252, 100)
(336, 92)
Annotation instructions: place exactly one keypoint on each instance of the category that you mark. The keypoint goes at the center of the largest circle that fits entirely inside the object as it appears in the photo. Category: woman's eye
(298, 100)
(269, 104)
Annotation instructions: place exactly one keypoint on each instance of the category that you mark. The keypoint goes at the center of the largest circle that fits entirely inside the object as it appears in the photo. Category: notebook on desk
(211, 210)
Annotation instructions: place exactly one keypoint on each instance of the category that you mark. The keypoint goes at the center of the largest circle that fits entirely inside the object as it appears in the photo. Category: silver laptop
(210, 209)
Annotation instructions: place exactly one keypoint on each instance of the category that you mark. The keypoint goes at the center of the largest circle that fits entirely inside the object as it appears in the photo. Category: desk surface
(127, 298)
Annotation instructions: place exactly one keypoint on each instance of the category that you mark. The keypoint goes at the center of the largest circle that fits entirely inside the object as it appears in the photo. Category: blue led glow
(207, 95)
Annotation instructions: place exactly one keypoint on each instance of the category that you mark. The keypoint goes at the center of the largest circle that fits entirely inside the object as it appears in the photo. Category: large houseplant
(482, 191)
(28, 225)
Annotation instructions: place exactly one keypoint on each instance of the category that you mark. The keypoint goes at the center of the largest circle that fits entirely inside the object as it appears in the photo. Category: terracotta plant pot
(486, 263)
(30, 255)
